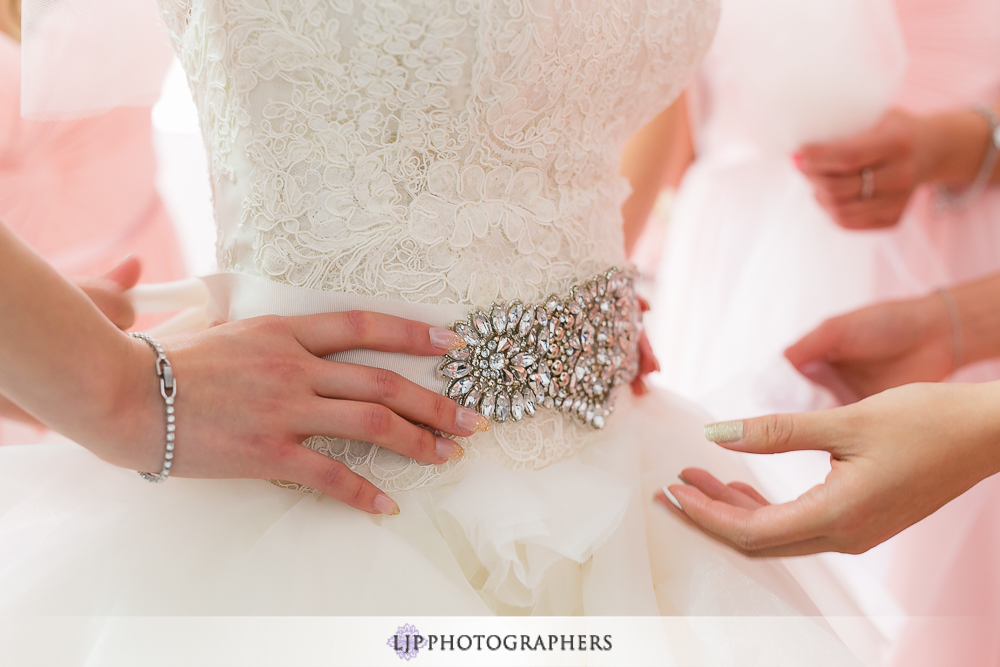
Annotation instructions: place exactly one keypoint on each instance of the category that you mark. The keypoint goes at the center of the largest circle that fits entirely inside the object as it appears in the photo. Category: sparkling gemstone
(461, 354)
(488, 405)
(557, 367)
(460, 387)
(517, 406)
(526, 321)
(529, 403)
(171, 428)
(524, 359)
(514, 315)
(544, 375)
(551, 305)
(549, 403)
(542, 316)
(503, 406)
(503, 344)
(580, 370)
(497, 361)
(506, 375)
(587, 334)
(168, 456)
(543, 339)
(456, 369)
(499, 318)
(467, 333)
(472, 398)
(482, 323)
(598, 421)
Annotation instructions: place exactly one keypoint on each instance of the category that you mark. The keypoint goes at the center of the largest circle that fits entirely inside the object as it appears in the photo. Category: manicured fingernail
(125, 259)
(446, 339)
(446, 449)
(640, 387)
(673, 500)
(470, 420)
(680, 476)
(385, 505)
(797, 159)
(724, 431)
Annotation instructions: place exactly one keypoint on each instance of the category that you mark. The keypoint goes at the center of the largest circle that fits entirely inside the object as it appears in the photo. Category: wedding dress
(425, 159)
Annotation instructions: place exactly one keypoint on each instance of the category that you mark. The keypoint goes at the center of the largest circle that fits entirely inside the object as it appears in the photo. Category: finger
(877, 213)
(816, 345)
(847, 156)
(889, 180)
(126, 274)
(705, 482)
(639, 387)
(751, 530)
(749, 491)
(772, 434)
(371, 422)
(333, 478)
(647, 359)
(643, 304)
(329, 333)
(407, 399)
(108, 298)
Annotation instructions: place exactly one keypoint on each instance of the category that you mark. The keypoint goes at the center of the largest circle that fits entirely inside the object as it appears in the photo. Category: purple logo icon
(406, 642)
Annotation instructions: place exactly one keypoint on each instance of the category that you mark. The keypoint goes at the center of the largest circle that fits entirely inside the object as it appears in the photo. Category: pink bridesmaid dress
(751, 263)
(82, 192)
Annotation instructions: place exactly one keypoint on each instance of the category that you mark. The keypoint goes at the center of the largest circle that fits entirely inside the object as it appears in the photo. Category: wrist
(957, 142)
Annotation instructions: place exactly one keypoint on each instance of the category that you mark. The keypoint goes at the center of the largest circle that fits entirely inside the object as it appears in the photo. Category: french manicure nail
(446, 449)
(470, 420)
(446, 339)
(385, 505)
(673, 500)
(724, 431)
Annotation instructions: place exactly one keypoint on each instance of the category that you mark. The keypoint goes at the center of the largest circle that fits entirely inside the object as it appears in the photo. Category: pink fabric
(947, 573)
(82, 193)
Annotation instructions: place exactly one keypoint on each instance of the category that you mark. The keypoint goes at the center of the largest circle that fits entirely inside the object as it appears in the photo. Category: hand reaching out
(878, 347)
(108, 294)
(647, 360)
(896, 458)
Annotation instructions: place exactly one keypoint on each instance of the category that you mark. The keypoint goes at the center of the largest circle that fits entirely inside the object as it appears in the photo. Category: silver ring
(867, 184)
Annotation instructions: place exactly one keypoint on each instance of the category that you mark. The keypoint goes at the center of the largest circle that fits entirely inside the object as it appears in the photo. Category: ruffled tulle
(582, 536)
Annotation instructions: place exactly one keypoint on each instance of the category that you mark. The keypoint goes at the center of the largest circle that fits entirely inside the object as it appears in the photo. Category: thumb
(126, 274)
(776, 433)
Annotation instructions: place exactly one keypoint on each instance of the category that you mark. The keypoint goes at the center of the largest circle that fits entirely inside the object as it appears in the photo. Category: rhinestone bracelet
(168, 389)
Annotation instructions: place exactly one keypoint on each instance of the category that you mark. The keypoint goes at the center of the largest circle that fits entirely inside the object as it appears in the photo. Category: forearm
(655, 156)
(61, 360)
(958, 141)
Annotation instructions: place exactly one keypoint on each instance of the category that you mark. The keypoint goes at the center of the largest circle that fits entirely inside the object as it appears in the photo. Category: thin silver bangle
(945, 197)
(958, 354)
(168, 389)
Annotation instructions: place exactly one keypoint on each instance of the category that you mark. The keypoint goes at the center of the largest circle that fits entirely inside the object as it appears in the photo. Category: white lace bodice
(430, 151)
(427, 150)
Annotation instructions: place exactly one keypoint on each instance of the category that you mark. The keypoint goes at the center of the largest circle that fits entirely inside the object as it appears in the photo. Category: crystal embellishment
(567, 353)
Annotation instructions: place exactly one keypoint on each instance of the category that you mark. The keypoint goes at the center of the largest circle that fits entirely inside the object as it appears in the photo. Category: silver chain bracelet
(168, 389)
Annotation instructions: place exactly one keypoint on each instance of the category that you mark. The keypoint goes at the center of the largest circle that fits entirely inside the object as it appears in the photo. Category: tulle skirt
(582, 536)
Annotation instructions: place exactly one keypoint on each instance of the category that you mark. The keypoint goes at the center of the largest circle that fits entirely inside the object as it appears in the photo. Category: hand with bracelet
(866, 181)
(896, 456)
(250, 391)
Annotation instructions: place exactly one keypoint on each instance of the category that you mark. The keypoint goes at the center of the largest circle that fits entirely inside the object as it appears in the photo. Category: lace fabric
(430, 152)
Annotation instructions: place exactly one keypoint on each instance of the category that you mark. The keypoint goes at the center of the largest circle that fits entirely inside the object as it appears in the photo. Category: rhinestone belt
(566, 353)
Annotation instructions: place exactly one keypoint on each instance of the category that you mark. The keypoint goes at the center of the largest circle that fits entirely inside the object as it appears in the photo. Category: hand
(900, 153)
(108, 294)
(250, 392)
(896, 458)
(647, 360)
(108, 291)
(878, 347)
